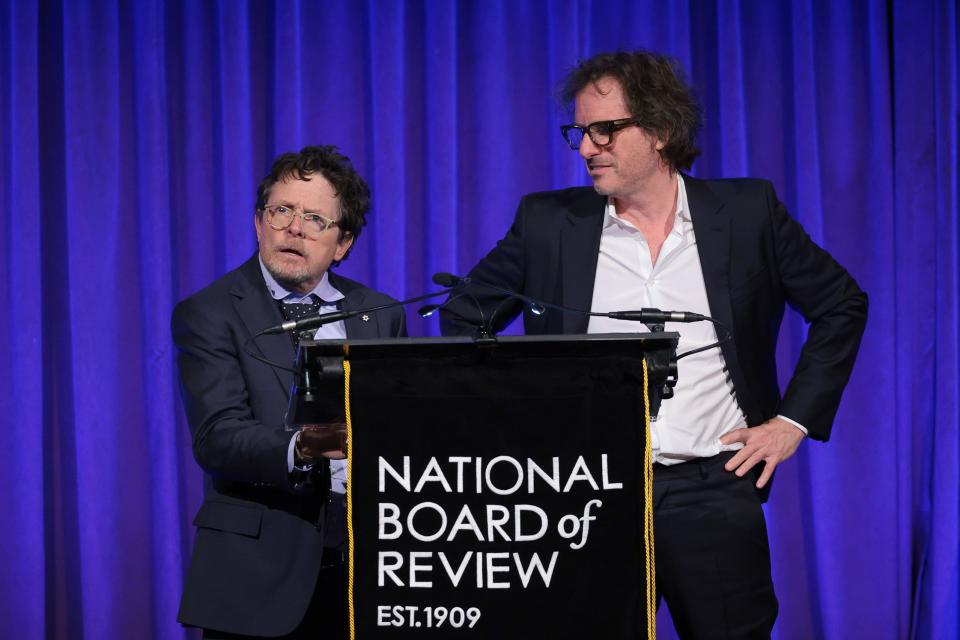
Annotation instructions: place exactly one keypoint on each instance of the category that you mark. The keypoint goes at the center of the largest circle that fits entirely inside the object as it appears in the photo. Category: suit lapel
(362, 326)
(711, 225)
(579, 249)
(358, 327)
(257, 311)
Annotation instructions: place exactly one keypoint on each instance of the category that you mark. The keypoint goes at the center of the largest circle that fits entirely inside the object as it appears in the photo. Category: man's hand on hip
(771, 442)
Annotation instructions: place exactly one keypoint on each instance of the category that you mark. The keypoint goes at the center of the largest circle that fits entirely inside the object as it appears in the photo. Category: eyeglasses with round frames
(281, 216)
(600, 132)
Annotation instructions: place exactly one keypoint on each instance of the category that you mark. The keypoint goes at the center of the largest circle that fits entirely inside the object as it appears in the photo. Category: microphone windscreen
(444, 279)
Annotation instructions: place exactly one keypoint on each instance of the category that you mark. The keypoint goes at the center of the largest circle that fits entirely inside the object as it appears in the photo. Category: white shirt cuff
(291, 457)
(794, 423)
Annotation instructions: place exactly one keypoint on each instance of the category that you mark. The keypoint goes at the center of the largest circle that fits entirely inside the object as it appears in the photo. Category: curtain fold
(134, 135)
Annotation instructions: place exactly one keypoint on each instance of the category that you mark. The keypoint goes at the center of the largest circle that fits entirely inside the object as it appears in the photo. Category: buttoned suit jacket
(259, 537)
(755, 259)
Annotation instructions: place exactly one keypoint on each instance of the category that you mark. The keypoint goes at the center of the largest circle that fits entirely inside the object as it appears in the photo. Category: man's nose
(296, 225)
(587, 148)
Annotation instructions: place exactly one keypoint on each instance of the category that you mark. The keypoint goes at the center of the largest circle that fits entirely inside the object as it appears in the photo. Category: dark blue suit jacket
(259, 538)
(755, 259)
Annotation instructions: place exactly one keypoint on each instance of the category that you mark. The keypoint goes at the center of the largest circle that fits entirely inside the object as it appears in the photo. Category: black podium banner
(497, 494)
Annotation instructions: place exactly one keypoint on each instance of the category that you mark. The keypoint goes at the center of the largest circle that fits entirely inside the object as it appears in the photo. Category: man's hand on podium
(322, 441)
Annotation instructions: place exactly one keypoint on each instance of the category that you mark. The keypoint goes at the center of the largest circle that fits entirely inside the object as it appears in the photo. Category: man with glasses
(648, 235)
(271, 546)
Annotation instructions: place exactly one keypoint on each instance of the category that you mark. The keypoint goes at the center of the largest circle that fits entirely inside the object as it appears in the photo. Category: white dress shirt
(704, 406)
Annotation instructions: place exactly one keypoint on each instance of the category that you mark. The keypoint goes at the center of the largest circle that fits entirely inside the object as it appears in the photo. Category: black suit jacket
(755, 259)
(259, 537)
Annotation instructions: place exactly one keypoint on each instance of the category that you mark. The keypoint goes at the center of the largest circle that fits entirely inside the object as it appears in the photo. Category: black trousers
(712, 554)
(327, 616)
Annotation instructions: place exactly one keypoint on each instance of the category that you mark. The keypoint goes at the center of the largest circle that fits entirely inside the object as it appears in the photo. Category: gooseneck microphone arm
(537, 306)
(458, 284)
(336, 316)
(646, 316)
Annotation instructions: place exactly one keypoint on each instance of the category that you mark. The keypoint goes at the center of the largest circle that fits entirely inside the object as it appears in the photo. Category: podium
(496, 489)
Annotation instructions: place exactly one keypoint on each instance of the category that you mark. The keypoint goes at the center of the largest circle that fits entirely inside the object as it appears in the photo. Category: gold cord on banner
(648, 514)
(346, 403)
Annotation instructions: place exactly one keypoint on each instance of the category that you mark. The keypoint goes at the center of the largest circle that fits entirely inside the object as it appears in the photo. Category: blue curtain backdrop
(133, 135)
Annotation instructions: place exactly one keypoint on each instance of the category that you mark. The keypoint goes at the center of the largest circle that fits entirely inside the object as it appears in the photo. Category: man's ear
(343, 245)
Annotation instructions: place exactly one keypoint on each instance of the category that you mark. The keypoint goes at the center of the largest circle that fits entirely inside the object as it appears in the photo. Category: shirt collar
(324, 290)
(682, 222)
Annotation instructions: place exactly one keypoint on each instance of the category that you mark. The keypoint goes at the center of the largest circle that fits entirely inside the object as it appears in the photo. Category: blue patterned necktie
(299, 312)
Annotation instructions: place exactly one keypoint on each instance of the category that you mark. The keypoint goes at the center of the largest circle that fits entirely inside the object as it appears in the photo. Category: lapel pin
(365, 318)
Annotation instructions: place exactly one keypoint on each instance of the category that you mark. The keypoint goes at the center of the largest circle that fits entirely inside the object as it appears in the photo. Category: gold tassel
(350, 444)
(648, 515)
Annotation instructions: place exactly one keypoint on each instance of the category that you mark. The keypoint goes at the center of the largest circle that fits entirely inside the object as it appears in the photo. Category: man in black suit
(647, 235)
(270, 551)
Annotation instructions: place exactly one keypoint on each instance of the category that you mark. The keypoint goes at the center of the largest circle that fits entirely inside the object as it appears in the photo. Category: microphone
(337, 316)
(449, 280)
(310, 323)
(655, 316)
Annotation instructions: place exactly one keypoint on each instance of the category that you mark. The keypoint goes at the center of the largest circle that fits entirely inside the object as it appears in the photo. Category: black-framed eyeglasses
(600, 132)
(281, 216)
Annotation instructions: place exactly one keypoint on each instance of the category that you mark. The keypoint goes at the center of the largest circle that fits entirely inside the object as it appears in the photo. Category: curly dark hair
(656, 93)
(352, 190)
